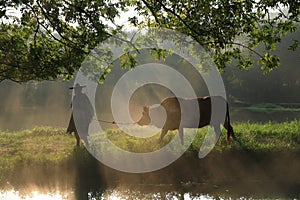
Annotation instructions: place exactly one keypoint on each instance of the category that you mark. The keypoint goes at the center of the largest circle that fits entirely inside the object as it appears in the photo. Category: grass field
(252, 136)
(269, 108)
(47, 145)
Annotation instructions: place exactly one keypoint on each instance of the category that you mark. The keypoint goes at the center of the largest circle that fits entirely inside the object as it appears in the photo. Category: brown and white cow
(180, 113)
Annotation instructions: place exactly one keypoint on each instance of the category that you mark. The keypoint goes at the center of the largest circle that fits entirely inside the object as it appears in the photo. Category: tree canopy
(47, 39)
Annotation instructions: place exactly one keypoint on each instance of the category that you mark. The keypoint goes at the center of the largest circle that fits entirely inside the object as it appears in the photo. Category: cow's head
(145, 119)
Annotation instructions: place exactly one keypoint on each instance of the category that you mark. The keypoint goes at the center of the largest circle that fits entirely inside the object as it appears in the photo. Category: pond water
(113, 194)
(243, 189)
(155, 192)
(34, 195)
(229, 175)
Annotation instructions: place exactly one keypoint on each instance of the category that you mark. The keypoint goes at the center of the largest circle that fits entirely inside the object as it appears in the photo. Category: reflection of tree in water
(89, 181)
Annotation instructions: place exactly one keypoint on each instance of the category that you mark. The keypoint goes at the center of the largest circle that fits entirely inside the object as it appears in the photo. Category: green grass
(260, 137)
(47, 145)
(41, 145)
(269, 108)
(270, 136)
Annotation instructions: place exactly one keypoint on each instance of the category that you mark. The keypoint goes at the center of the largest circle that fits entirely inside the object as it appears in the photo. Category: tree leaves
(217, 25)
(48, 39)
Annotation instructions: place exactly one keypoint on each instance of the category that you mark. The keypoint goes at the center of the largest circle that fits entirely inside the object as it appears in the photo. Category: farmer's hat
(77, 86)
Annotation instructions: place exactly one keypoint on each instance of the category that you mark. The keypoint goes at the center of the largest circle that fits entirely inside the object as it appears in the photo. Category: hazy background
(48, 103)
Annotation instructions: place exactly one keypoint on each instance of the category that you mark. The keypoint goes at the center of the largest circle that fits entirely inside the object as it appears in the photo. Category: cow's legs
(180, 130)
(163, 133)
(229, 131)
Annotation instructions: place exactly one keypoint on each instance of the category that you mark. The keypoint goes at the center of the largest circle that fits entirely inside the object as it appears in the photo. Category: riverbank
(266, 161)
(48, 145)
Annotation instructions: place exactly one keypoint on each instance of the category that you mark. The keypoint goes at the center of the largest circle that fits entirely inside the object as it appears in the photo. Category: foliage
(50, 38)
(227, 28)
(280, 85)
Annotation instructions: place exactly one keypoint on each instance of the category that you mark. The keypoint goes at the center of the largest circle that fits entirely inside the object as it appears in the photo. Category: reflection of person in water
(82, 114)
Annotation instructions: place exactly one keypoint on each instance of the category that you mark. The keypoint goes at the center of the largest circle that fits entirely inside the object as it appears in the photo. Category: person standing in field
(82, 115)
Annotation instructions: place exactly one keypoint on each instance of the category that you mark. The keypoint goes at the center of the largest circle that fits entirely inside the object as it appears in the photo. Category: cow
(172, 107)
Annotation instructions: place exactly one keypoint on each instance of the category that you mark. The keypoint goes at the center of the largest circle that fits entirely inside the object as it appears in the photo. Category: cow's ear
(146, 109)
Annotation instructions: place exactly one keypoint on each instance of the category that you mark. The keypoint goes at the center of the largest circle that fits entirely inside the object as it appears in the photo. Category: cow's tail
(228, 125)
(227, 115)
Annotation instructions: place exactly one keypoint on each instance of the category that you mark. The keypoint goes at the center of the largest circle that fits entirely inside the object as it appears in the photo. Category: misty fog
(48, 103)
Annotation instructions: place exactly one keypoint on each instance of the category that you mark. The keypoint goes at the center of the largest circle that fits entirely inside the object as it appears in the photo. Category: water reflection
(35, 195)
(230, 175)
(110, 194)
(184, 191)
(124, 194)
